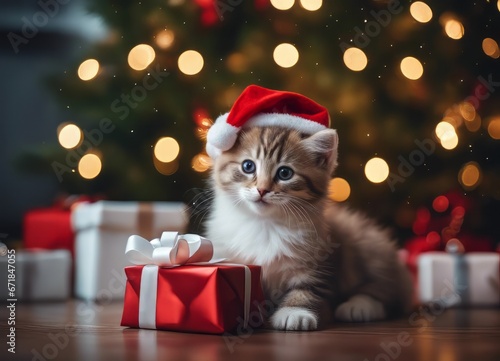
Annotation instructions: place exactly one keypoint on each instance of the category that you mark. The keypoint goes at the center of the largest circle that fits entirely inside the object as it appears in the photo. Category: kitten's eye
(285, 173)
(248, 166)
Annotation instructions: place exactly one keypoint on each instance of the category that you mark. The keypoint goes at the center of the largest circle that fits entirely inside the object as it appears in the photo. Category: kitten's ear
(324, 145)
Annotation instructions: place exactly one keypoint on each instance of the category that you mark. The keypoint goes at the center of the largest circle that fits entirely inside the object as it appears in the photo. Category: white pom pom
(212, 151)
(221, 136)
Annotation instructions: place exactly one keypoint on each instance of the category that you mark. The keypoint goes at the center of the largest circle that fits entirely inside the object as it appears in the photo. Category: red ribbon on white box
(173, 250)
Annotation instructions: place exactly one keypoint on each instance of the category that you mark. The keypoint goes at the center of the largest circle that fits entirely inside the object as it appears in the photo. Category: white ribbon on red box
(172, 250)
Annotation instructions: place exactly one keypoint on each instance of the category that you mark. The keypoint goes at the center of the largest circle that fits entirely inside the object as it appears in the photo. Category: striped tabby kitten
(319, 260)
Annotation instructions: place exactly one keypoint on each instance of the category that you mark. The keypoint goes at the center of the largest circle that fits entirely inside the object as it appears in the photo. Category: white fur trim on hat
(286, 121)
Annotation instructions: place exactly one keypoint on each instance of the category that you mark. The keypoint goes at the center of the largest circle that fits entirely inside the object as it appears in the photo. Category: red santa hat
(261, 107)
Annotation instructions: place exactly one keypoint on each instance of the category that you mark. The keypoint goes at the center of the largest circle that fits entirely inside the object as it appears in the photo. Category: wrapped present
(48, 228)
(102, 229)
(434, 243)
(200, 297)
(434, 229)
(455, 278)
(35, 275)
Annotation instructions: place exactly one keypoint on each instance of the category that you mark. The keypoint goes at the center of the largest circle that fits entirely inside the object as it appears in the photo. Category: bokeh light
(421, 222)
(490, 48)
(447, 135)
(69, 135)
(494, 128)
(286, 55)
(141, 56)
(311, 5)
(164, 39)
(201, 163)
(453, 117)
(376, 170)
(166, 168)
(88, 69)
(355, 59)
(433, 238)
(454, 29)
(282, 4)
(237, 62)
(339, 189)
(440, 204)
(190, 62)
(467, 111)
(166, 149)
(470, 175)
(473, 125)
(421, 12)
(444, 129)
(449, 140)
(202, 130)
(89, 166)
(411, 68)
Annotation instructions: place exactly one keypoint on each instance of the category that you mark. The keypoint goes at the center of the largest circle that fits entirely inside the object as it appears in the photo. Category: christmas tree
(412, 88)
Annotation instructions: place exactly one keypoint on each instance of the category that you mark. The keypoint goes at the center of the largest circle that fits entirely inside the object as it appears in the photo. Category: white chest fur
(251, 239)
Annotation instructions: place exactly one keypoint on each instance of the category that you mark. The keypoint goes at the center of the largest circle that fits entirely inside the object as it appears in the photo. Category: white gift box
(102, 230)
(38, 275)
(470, 279)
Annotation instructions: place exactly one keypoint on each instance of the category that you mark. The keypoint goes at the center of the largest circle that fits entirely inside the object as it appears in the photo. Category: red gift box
(215, 298)
(51, 227)
(48, 228)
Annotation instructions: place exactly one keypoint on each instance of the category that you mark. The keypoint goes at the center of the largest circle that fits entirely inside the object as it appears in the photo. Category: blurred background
(113, 99)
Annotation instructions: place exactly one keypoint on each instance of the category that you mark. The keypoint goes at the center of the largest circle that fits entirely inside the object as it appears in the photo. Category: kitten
(319, 260)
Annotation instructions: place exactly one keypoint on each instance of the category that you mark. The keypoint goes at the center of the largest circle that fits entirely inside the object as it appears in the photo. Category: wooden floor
(84, 331)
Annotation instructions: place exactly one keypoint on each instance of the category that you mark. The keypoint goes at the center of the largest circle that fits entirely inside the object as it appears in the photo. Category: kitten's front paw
(294, 319)
(360, 308)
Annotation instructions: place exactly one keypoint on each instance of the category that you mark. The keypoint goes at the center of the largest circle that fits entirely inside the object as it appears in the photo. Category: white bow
(170, 250)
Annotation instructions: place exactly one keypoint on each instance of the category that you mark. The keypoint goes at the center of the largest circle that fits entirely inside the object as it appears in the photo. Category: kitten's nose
(262, 192)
